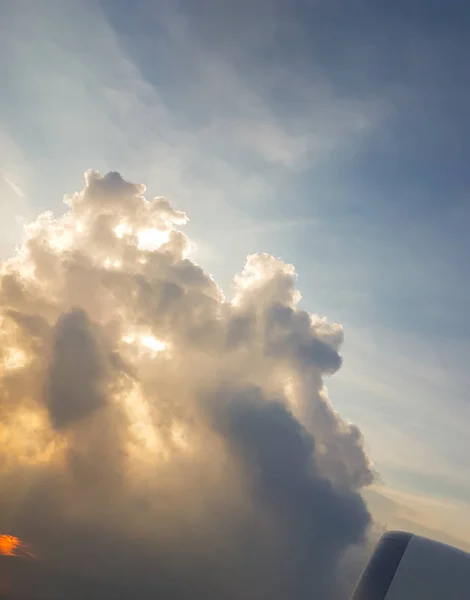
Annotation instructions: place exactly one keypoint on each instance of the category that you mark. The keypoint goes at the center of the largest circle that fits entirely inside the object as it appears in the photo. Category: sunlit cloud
(145, 342)
(143, 407)
(14, 359)
(152, 343)
(151, 239)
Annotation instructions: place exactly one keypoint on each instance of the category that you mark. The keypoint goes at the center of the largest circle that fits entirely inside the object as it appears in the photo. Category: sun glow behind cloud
(145, 342)
(14, 359)
(147, 239)
(151, 239)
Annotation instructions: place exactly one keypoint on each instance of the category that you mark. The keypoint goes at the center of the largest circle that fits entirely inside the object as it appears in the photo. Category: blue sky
(332, 134)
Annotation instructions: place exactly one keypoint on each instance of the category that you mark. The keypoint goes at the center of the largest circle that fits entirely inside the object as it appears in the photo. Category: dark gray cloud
(317, 520)
(77, 372)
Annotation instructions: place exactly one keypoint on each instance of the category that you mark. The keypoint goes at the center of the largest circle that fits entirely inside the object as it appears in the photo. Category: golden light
(122, 229)
(144, 432)
(109, 263)
(145, 342)
(179, 437)
(62, 236)
(25, 439)
(15, 358)
(151, 239)
(147, 239)
(10, 545)
(152, 343)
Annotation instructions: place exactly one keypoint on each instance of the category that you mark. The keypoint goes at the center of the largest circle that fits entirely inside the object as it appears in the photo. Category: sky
(331, 135)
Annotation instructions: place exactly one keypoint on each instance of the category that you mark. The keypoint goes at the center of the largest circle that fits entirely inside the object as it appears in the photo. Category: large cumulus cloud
(154, 433)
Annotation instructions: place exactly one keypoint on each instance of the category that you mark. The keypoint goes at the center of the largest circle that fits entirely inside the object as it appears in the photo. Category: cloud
(445, 519)
(156, 434)
(76, 373)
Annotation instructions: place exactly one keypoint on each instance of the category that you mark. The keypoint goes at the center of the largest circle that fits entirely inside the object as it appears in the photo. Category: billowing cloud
(155, 434)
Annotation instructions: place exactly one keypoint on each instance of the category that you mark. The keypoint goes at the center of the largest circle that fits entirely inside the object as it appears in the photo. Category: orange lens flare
(10, 545)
